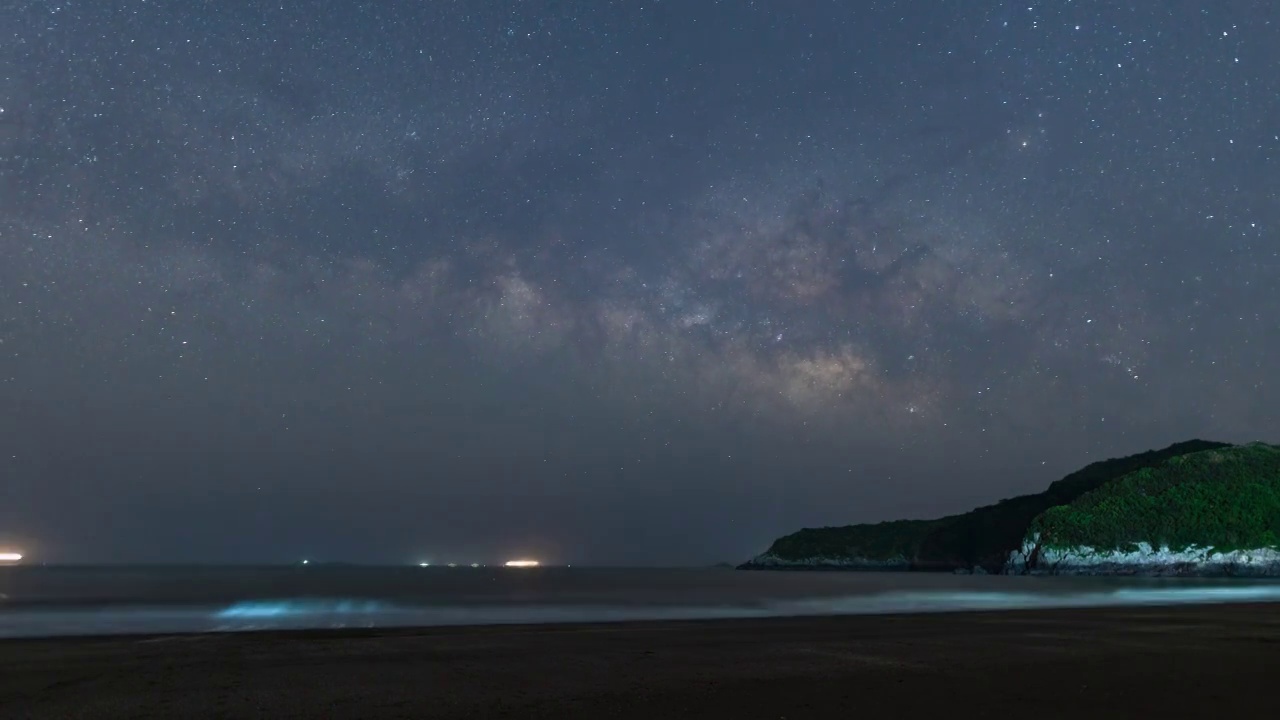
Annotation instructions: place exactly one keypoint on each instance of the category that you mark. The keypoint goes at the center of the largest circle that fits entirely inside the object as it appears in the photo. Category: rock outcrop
(1143, 559)
(981, 540)
(1209, 513)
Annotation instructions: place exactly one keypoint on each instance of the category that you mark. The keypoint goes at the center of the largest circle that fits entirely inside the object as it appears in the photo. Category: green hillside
(1227, 498)
(889, 541)
(982, 537)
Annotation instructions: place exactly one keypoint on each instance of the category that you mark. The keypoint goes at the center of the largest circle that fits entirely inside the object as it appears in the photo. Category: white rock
(1033, 558)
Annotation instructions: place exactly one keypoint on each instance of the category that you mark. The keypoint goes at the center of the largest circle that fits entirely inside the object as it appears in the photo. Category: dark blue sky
(646, 282)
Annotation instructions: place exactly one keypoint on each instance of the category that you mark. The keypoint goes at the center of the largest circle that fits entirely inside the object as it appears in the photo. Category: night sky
(630, 282)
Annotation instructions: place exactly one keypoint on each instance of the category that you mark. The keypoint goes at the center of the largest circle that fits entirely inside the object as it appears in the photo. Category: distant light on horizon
(521, 563)
(10, 557)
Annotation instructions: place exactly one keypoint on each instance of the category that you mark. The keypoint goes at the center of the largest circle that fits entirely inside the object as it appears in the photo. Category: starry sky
(643, 282)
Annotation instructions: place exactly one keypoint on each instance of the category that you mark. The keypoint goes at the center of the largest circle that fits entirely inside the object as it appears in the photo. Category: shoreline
(393, 632)
(1210, 660)
(45, 620)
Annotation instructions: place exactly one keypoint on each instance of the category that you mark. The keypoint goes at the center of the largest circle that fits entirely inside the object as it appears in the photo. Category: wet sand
(1215, 661)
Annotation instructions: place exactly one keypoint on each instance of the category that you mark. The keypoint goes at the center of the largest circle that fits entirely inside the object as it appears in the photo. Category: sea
(47, 601)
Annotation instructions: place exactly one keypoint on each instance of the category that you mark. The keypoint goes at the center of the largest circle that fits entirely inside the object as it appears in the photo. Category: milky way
(640, 284)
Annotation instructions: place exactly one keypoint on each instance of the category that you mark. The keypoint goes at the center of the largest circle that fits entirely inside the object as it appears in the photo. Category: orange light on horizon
(521, 563)
(10, 557)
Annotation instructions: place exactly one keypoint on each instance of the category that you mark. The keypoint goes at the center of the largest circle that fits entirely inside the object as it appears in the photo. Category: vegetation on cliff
(882, 542)
(982, 537)
(1227, 499)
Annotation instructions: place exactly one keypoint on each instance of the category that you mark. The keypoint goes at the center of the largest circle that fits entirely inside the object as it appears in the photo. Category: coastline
(1201, 660)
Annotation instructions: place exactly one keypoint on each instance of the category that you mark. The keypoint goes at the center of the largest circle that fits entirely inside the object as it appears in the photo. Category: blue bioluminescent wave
(316, 613)
(267, 609)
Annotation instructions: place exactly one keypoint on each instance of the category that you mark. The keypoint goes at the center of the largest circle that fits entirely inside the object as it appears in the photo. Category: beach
(1185, 661)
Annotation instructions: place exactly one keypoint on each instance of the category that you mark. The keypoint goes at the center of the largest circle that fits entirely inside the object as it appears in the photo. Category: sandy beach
(1189, 661)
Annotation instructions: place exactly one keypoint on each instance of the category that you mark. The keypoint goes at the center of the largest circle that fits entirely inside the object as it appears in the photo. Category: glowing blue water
(153, 602)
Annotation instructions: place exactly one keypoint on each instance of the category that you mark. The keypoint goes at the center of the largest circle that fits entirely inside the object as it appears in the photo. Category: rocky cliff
(1143, 559)
(1209, 513)
(980, 540)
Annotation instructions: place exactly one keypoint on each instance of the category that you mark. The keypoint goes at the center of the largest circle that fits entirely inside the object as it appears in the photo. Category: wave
(335, 613)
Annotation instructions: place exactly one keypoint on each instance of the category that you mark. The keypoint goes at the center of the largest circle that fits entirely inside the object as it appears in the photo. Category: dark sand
(1203, 661)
